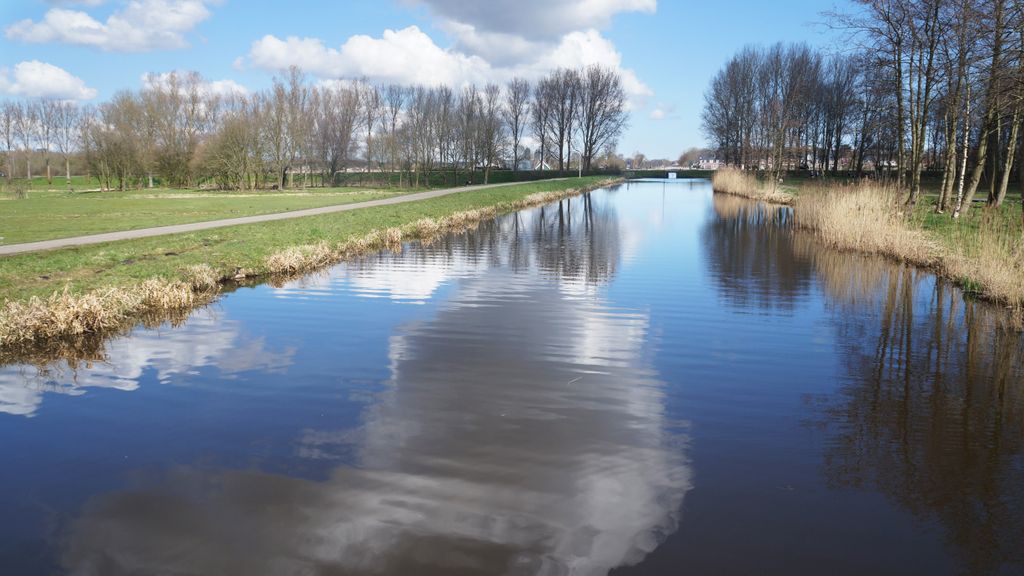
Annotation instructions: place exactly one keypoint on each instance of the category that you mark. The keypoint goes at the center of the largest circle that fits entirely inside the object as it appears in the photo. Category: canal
(647, 379)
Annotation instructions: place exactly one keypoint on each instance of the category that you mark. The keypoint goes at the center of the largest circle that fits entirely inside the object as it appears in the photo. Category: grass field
(39, 183)
(228, 249)
(44, 215)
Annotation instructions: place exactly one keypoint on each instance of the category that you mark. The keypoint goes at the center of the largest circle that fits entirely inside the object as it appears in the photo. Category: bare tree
(394, 97)
(46, 112)
(603, 114)
(8, 113)
(25, 126)
(370, 104)
(540, 115)
(564, 92)
(516, 112)
(66, 133)
(467, 124)
(336, 119)
(492, 129)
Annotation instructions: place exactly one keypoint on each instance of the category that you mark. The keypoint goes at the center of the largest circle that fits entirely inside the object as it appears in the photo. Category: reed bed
(986, 261)
(989, 261)
(867, 219)
(747, 185)
(66, 314)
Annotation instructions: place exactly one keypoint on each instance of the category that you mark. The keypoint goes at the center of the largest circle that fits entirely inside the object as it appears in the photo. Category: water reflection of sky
(565, 381)
(171, 355)
(513, 417)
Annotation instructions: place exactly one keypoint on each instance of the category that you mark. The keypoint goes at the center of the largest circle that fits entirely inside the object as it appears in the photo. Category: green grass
(59, 182)
(45, 215)
(228, 249)
(965, 234)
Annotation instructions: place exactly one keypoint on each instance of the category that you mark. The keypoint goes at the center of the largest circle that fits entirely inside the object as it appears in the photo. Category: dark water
(646, 380)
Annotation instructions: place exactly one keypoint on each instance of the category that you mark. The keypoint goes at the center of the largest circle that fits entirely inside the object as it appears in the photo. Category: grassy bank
(982, 252)
(107, 286)
(748, 185)
(45, 215)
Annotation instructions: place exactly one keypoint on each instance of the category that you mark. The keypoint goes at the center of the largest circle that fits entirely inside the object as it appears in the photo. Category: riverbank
(107, 287)
(48, 215)
(982, 253)
(747, 185)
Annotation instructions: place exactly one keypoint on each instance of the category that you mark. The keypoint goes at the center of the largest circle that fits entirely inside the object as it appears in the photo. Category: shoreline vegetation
(986, 262)
(116, 303)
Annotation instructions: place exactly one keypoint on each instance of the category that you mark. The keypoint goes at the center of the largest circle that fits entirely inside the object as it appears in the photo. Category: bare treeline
(925, 85)
(296, 133)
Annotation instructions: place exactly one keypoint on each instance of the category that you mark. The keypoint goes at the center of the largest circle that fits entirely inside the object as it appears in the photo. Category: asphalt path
(210, 224)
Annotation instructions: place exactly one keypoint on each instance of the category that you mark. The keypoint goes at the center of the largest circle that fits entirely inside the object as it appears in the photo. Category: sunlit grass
(983, 253)
(45, 215)
(101, 287)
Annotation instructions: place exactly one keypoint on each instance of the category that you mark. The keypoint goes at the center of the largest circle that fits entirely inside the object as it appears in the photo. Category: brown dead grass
(65, 315)
(746, 184)
(869, 218)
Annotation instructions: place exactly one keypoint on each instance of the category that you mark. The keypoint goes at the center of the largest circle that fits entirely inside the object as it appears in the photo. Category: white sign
(671, 175)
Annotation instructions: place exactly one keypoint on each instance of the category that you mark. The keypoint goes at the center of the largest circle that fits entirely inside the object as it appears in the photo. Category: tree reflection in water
(522, 431)
(750, 254)
(932, 411)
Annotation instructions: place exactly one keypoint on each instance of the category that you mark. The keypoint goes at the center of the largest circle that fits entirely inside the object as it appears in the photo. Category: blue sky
(667, 51)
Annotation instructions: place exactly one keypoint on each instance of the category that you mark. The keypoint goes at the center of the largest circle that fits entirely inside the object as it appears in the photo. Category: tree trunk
(900, 118)
(991, 113)
(963, 160)
(1011, 151)
(995, 159)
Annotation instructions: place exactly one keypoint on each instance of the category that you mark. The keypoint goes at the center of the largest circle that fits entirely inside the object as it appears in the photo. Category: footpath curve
(54, 244)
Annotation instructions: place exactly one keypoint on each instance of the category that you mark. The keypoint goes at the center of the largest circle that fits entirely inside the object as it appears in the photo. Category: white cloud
(535, 19)
(139, 26)
(662, 111)
(35, 79)
(76, 2)
(223, 88)
(410, 56)
(583, 48)
(407, 55)
(171, 356)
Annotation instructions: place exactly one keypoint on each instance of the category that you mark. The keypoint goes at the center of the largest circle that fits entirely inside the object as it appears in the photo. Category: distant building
(709, 163)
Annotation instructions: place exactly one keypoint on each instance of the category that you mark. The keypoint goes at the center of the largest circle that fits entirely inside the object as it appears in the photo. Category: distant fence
(450, 178)
(664, 173)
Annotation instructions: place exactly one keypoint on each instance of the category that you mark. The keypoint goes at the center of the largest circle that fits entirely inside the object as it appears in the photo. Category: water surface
(647, 379)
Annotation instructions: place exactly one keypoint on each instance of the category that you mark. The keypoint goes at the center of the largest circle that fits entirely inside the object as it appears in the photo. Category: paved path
(196, 226)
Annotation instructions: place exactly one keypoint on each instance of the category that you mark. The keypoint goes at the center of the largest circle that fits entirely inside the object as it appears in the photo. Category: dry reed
(990, 263)
(66, 314)
(867, 219)
(746, 184)
(985, 261)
